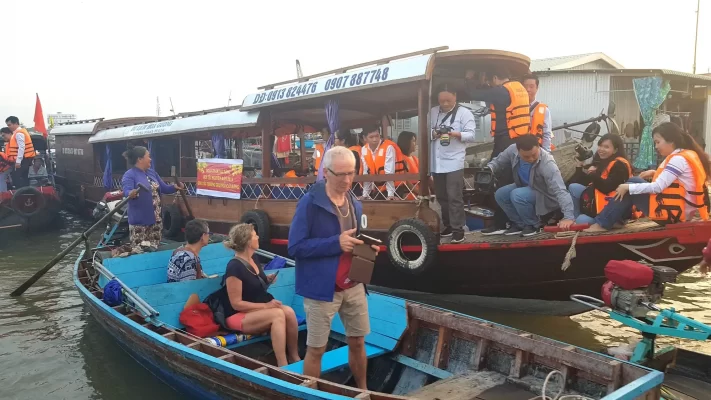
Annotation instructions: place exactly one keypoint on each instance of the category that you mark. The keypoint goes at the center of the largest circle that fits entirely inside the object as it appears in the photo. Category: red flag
(39, 118)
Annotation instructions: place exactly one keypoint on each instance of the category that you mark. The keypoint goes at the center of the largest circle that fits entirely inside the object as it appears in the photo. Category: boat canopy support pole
(302, 150)
(423, 127)
(140, 303)
(266, 148)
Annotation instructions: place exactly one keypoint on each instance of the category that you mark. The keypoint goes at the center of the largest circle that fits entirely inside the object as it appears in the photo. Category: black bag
(587, 202)
(218, 310)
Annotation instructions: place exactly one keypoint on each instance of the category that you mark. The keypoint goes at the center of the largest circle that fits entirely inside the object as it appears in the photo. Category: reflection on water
(51, 348)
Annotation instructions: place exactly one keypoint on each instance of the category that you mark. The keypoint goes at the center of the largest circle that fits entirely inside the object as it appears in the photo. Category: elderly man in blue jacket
(321, 240)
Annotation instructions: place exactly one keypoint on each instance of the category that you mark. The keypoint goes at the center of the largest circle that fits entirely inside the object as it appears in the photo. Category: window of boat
(165, 153)
(118, 162)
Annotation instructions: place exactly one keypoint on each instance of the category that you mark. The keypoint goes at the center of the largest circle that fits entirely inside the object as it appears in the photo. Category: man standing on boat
(20, 151)
(452, 127)
(541, 122)
(538, 187)
(321, 241)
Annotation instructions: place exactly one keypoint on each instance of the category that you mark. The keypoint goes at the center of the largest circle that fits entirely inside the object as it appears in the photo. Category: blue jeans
(618, 210)
(519, 204)
(576, 191)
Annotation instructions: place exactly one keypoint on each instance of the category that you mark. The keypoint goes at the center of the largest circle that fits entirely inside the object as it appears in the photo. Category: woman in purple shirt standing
(144, 211)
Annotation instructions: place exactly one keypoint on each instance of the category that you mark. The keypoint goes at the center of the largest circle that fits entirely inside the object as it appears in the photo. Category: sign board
(361, 78)
(219, 177)
(59, 118)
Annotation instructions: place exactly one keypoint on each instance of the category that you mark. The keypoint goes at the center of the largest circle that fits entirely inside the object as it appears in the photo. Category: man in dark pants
(510, 118)
(452, 127)
(19, 151)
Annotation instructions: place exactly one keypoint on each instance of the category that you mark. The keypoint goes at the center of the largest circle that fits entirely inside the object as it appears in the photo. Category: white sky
(112, 58)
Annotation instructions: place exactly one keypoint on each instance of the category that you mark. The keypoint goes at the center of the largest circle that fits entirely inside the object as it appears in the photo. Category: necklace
(348, 209)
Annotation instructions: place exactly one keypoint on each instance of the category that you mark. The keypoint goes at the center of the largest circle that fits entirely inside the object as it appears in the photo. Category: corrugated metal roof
(638, 72)
(567, 62)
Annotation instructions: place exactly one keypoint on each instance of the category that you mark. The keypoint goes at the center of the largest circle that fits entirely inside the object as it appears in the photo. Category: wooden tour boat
(415, 351)
(542, 267)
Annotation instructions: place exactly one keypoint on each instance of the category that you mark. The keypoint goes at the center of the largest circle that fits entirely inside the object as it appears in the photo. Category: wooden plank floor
(484, 385)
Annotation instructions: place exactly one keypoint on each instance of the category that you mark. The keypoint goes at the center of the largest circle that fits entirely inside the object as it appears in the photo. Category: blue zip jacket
(314, 242)
(140, 209)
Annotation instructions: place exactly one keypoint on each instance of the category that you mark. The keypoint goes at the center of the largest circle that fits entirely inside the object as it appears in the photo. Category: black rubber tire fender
(61, 192)
(260, 220)
(17, 198)
(172, 221)
(428, 241)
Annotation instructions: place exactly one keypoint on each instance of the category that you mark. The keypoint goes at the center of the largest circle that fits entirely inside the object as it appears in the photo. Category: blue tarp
(108, 169)
(333, 125)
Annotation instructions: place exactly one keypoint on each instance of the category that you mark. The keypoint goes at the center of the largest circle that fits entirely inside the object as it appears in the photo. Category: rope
(571, 253)
(557, 395)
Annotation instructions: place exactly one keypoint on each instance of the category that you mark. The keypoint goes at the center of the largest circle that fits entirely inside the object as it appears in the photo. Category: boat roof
(198, 121)
(373, 88)
(82, 127)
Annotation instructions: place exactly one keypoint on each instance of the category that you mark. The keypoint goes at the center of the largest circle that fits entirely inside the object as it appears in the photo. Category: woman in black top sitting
(249, 308)
(595, 184)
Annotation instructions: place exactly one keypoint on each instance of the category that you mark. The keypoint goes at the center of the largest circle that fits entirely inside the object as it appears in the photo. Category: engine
(633, 287)
(107, 203)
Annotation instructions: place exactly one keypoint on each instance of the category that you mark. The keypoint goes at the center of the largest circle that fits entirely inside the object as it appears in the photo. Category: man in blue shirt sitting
(538, 187)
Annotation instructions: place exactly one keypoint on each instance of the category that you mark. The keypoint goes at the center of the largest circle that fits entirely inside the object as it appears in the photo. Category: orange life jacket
(292, 174)
(376, 165)
(538, 120)
(601, 199)
(670, 205)
(518, 117)
(412, 166)
(318, 156)
(4, 163)
(12, 147)
(357, 150)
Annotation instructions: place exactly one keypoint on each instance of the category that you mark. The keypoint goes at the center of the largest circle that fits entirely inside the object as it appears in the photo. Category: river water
(51, 348)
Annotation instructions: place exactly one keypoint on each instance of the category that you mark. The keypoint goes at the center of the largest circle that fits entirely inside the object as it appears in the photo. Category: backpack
(113, 295)
(198, 320)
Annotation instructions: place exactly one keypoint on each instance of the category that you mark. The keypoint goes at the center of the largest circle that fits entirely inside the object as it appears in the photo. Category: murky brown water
(51, 348)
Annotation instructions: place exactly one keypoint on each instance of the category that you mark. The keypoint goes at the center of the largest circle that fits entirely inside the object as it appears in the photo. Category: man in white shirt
(378, 157)
(541, 123)
(451, 128)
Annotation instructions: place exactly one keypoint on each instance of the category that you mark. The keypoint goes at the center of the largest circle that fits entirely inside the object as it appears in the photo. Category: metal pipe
(131, 294)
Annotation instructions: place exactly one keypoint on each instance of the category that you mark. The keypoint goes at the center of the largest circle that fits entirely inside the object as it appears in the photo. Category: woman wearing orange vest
(594, 186)
(678, 188)
(407, 142)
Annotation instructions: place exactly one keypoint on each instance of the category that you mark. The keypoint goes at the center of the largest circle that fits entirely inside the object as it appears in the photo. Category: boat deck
(476, 236)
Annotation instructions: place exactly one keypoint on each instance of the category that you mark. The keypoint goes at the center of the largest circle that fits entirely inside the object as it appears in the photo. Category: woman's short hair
(194, 230)
(134, 153)
(239, 237)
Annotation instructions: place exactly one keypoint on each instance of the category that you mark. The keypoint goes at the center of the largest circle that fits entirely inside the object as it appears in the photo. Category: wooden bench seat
(336, 359)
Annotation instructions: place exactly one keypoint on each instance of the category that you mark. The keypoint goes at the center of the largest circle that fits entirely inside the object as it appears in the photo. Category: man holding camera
(452, 127)
(538, 187)
(322, 240)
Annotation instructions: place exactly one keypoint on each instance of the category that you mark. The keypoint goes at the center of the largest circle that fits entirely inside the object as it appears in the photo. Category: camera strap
(451, 115)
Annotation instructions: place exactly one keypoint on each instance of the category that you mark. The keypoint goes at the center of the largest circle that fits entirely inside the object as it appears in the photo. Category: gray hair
(338, 152)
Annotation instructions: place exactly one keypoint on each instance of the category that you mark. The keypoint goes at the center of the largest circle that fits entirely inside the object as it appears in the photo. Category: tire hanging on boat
(23, 205)
(427, 239)
(172, 221)
(260, 220)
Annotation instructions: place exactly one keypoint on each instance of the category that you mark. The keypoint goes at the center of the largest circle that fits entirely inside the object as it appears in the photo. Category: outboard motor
(633, 288)
(117, 226)
(103, 206)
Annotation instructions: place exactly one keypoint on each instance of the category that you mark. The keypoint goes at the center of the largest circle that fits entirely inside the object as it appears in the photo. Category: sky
(113, 58)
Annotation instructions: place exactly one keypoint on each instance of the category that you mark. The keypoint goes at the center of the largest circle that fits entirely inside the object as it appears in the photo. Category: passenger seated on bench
(538, 187)
(249, 308)
(678, 187)
(184, 264)
(595, 185)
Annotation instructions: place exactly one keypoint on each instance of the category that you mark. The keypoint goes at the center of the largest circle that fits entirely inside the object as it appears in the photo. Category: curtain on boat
(651, 93)
(108, 170)
(150, 150)
(333, 125)
(218, 145)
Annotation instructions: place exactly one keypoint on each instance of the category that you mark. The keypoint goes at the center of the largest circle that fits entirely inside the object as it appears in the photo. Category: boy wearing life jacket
(541, 122)
(19, 150)
(380, 157)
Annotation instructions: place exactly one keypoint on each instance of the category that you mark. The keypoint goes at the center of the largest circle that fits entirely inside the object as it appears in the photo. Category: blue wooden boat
(415, 351)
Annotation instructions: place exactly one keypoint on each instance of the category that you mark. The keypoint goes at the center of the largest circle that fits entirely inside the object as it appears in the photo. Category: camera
(583, 153)
(443, 129)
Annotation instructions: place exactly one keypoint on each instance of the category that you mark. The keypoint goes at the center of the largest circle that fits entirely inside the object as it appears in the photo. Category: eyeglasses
(342, 174)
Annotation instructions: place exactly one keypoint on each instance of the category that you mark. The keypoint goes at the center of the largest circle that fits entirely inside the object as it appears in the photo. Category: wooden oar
(185, 199)
(20, 290)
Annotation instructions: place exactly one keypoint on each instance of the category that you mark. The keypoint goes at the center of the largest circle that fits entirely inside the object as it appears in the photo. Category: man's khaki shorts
(352, 307)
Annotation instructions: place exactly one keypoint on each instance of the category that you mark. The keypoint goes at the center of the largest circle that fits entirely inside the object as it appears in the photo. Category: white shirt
(20, 145)
(389, 167)
(677, 168)
(547, 128)
(451, 158)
